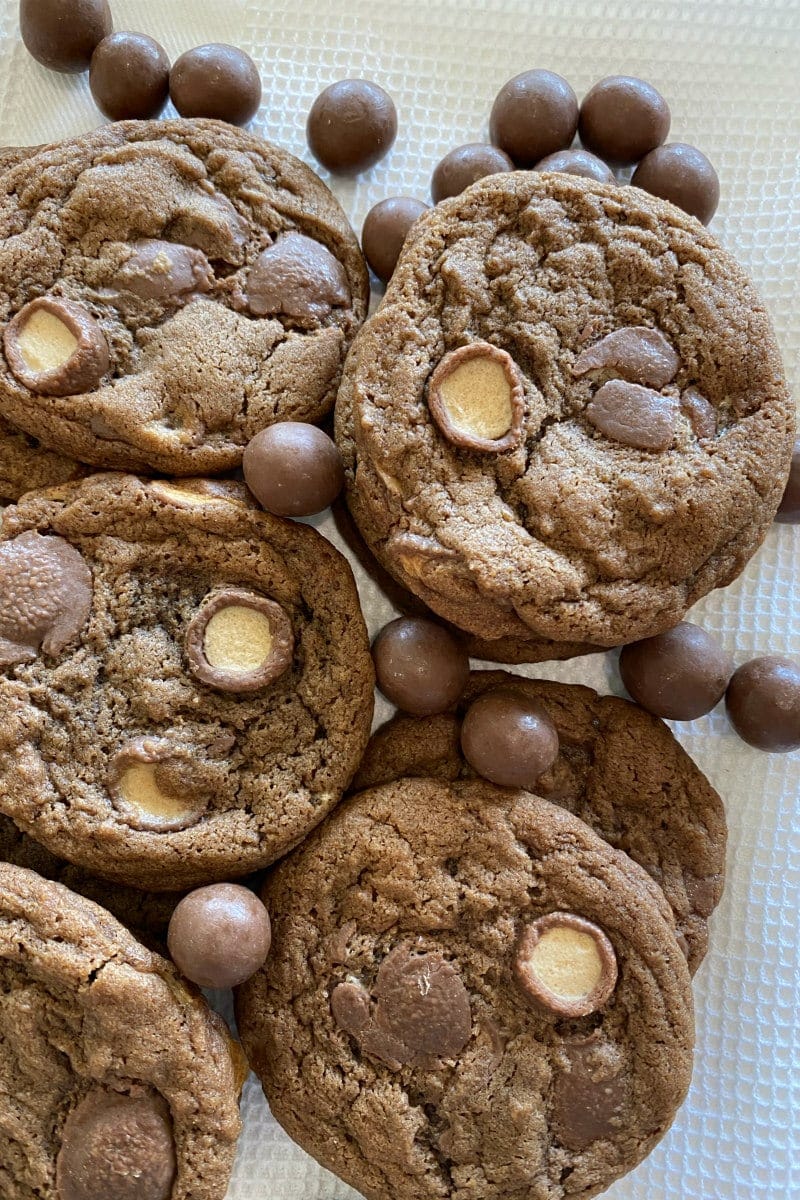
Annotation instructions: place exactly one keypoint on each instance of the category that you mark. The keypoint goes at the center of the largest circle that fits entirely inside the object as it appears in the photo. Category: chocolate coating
(588, 1097)
(293, 469)
(683, 175)
(634, 352)
(116, 1146)
(577, 162)
(216, 80)
(534, 114)
(86, 365)
(351, 126)
(622, 119)
(464, 166)
(159, 270)
(633, 415)
(508, 739)
(385, 230)
(62, 35)
(419, 666)
(763, 703)
(225, 675)
(219, 935)
(298, 277)
(536, 989)
(46, 589)
(679, 675)
(789, 510)
(129, 77)
(453, 382)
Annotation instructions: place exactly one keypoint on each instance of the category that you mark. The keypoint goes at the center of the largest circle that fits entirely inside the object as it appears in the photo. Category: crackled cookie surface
(468, 994)
(167, 289)
(618, 768)
(186, 682)
(120, 1071)
(616, 442)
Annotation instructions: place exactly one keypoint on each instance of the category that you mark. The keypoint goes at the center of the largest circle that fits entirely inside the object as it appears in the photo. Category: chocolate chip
(589, 1095)
(219, 935)
(763, 703)
(466, 165)
(636, 353)
(56, 348)
(476, 398)
(293, 469)
(218, 81)
(129, 77)
(534, 114)
(296, 276)
(789, 510)
(47, 596)
(351, 126)
(683, 175)
(508, 739)
(680, 674)
(350, 1005)
(158, 270)
(577, 162)
(153, 787)
(700, 412)
(420, 667)
(63, 36)
(622, 118)
(385, 230)
(566, 965)
(633, 415)
(117, 1146)
(239, 641)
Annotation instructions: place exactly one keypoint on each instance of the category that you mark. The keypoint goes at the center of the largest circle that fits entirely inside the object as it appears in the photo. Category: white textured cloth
(729, 69)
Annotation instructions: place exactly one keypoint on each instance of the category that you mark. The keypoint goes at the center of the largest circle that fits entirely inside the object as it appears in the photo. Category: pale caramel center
(477, 396)
(567, 962)
(237, 638)
(139, 789)
(185, 496)
(45, 342)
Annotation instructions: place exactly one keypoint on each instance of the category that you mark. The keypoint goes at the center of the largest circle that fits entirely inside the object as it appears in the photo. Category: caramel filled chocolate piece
(153, 787)
(159, 270)
(566, 965)
(475, 397)
(56, 348)
(46, 590)
(116, 1146)
(297, 277)
(239, 641)
(638, 354)
(633, 415)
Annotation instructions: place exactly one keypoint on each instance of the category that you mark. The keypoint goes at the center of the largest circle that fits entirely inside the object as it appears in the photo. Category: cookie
(186, 684)
(568, 420)
(619, 769)
(168, 289)
(118, 1068)
(468, 994)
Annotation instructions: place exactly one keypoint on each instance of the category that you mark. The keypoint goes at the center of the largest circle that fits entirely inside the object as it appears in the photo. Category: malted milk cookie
(468, 994)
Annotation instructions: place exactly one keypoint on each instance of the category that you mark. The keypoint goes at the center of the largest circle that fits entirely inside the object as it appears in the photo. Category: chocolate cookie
(468, 994)
(186, 684)
(619, 769)
(568, 420)
(119, 1071)
(168, 289)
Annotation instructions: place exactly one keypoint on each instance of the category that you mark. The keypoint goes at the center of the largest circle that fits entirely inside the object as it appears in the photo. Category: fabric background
(729, 70)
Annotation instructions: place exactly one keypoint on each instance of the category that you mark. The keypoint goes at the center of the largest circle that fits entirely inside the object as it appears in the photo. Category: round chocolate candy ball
(577, 162)
(789, 511)
(508, 739)
(419, 666)
(293, 469)
(385, 231)
(129, 77)
(117, 1146)
(622, 119)
(219, 935)
(533, 115)
(216, 81)
(62, 34)
(464, 166)
(352, 124)
(682, 174)
(680, 674)
(763, 703)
